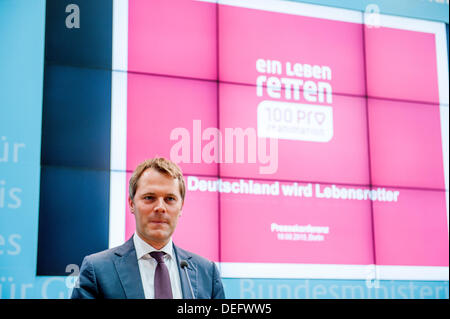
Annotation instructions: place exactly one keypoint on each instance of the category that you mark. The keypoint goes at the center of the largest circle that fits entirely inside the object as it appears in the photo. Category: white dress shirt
(147, 266)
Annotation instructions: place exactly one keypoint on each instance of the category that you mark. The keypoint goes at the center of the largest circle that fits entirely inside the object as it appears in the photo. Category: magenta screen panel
(299, 129)
(405, 144)
(401, 65)
(301, 45)
(317, 142)
(177, 42)
(412, 231)
(286, 228)
(160, 120)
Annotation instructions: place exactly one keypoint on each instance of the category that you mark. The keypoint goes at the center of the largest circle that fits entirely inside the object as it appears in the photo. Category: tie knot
(158, 255)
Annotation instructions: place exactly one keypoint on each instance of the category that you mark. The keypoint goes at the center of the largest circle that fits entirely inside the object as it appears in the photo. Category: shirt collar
(143, 249)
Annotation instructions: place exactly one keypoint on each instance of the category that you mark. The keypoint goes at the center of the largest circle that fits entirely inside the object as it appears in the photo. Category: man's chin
(160, 236)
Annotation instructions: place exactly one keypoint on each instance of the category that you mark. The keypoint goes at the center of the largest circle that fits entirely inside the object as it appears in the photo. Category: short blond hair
(162, 165)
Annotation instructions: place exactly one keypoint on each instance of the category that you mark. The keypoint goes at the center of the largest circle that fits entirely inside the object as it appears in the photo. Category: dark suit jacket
(114, 273)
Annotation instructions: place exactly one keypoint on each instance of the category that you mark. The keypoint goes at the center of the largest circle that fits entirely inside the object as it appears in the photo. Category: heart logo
(320, 117)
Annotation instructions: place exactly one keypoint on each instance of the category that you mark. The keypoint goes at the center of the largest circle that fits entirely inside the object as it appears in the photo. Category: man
(149, 265)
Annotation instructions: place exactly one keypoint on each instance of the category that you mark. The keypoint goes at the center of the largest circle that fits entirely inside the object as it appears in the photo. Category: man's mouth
(158, 222)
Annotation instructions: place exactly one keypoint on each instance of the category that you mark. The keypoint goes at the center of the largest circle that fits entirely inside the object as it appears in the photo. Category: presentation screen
(313, 140)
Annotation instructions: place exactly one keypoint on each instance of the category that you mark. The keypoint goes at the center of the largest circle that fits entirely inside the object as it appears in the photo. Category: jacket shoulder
(102, 255)
(109, 254)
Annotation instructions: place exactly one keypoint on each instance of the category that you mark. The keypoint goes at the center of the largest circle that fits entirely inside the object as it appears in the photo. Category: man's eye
(149, 197)
(170, 198)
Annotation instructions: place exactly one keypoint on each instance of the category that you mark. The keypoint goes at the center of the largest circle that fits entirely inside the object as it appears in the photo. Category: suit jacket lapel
(128, 270)
(192, 272)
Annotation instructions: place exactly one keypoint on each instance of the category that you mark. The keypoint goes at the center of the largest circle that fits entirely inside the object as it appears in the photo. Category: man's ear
(131, 204)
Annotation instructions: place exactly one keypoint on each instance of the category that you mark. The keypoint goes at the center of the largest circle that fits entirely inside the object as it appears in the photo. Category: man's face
(156, 206)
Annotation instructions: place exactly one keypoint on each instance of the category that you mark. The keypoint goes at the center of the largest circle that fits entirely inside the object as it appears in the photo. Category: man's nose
(160, 205)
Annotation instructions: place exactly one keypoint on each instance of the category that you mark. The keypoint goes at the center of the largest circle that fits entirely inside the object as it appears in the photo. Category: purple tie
(163, 289)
